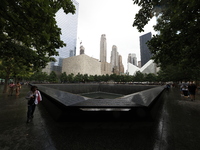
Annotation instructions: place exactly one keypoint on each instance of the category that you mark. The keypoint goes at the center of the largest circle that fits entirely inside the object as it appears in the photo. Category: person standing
(39, 95)
(192, 88)
(32, 97)
(17, 86)
(11, 88)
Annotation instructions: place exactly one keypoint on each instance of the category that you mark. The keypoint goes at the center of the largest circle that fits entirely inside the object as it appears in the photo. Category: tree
(70, 77)
(150, 77)
(175, 73)
(105, 78)
(11, 64)
(39, 76)
(113, 77)
(91, 78)
(52, 77)
(139, 77)
(179, 39)
(85, 78)
(63, 77)
(78, 78)
(97, 78)
(127, 78)
(29, 35)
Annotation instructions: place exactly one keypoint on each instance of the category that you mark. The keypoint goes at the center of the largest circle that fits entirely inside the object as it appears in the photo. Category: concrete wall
(105, 68)
(82, 64)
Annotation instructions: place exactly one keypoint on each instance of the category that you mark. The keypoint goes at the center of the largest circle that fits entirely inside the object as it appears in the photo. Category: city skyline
(115, 21)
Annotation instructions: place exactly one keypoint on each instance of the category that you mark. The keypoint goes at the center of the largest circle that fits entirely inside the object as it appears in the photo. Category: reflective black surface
(141, 98)
(101, 95)
(175, 127)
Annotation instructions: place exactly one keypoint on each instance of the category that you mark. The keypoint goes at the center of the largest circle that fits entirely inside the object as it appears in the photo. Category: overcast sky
(113, 18)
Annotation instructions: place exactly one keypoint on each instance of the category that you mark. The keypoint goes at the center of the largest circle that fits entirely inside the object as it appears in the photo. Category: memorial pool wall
(111, 88)
(63, 100)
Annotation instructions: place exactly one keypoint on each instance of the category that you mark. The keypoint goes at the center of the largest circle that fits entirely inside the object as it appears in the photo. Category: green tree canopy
(39, 76)
(70, 77)
(139, 77)
(178, 23)
(150, 77)
(53, 77)
(63, 77)
(29, 34)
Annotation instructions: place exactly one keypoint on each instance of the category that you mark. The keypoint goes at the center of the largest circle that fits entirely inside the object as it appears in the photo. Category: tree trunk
(5, 85)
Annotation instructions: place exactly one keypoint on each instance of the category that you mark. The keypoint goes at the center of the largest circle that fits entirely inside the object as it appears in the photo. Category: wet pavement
(176, 126)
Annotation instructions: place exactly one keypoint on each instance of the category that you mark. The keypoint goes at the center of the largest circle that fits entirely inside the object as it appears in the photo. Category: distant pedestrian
(167, 86)
(11, 88)
(32, 102)
(192, 88)
(18, 87)
(185, 91)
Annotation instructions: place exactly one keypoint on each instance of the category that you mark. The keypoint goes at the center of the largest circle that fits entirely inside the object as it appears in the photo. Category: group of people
(14, 87)
(33, 97)
(189, 90)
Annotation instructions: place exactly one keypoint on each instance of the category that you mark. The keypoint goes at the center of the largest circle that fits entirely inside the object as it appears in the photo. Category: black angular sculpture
(68, 99)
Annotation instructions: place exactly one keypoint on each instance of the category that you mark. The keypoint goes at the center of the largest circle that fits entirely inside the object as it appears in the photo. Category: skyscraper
(144, 50)
(68, 24)
(132, 59)
(105, 66)
(114, 60)
(114, 57)
(121, 66)
(103, 48)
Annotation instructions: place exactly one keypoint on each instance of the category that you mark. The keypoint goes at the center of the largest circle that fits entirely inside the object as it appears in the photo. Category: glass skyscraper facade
(144, 50)
(68, 24)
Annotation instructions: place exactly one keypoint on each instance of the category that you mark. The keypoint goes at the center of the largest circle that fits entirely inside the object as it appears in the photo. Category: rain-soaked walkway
(176, 127)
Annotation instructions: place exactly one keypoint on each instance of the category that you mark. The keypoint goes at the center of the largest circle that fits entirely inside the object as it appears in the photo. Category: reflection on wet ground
(174, 126)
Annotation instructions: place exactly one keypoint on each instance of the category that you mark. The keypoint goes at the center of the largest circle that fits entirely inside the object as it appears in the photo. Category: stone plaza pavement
(175, 127)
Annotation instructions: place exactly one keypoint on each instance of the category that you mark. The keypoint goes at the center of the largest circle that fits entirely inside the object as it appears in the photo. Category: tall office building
(103, 48)
(132, 59)
(114, 57)
(121, 66)
(144, 50)
(68, 24)
(114, 60)
(105, 66)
